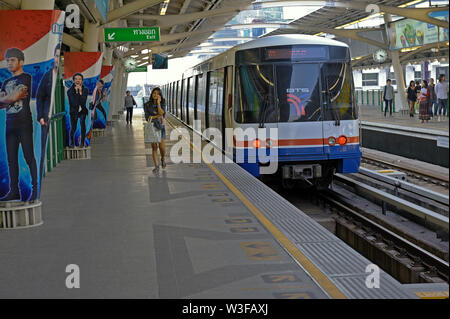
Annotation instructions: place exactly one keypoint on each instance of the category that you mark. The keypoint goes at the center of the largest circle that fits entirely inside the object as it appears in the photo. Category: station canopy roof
(227, 23)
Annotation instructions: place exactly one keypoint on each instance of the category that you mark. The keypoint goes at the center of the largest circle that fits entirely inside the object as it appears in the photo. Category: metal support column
(398, 70)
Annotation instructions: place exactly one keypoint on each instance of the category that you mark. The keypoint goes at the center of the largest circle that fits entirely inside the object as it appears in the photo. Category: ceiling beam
(130, 8)
(175, 19)
(165, 38)
(420, 14)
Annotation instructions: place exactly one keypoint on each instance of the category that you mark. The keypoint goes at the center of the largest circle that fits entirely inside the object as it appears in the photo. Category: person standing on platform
(43, 105)
(412, 97)
(388, 97)
(442, 96)
(155, 111)
(19, 124)
(424, 101)
(77, 95)
(129, 102)
(433, 97)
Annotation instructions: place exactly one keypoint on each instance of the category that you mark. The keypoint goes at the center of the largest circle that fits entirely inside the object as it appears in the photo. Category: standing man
(19, 125)
(441, 90)
(77, 95)
(433, 97)
(44, 101)
(388, 96)
(129, 102)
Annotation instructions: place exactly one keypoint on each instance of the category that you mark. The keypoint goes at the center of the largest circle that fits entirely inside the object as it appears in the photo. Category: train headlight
(256, 143)
(332, 141)
(342, 140)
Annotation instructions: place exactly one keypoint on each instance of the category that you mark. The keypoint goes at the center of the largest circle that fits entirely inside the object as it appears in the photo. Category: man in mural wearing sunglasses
(19, 124)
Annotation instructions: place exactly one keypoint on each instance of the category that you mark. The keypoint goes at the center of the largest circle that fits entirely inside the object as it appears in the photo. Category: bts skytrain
(300, 85)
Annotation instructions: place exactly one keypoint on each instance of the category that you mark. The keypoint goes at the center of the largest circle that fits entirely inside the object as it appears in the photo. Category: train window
(337, 85)
(201, 99)
(179, 92)
(255, 94)
(191, 99)
(298, 95)
(215, 107)
(186, 101)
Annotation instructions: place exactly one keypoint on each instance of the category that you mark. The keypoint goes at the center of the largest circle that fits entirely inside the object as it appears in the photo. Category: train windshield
(255, 94)
(298, 92)
(294, 84)
(338, 92)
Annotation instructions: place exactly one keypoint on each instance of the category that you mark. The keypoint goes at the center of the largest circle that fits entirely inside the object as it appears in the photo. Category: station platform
(192, 231)
(374, 114)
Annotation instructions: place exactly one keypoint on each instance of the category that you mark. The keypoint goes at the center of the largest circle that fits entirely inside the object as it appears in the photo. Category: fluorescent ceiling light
(164, 7)
(144, 51)
(145, 58)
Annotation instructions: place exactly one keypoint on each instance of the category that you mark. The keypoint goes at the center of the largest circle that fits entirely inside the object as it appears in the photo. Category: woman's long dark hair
(159, 92)
(425, 84)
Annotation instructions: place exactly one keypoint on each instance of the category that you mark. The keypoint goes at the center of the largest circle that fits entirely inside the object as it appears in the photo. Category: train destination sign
(132, 34)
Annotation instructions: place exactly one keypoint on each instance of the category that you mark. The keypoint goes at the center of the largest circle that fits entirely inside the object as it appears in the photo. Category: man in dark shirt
(43, 104)
(78, 95)
(19, 125)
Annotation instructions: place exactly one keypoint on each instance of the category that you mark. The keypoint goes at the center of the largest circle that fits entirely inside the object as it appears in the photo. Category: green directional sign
(139, 69)
(131, 34)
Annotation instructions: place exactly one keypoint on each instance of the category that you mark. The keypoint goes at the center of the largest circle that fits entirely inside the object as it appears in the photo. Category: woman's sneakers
(163, 163)
(156, 170)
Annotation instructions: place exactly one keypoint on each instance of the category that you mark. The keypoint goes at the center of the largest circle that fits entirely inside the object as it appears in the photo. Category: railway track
(414, 261)
(428, 177)
(403, 254)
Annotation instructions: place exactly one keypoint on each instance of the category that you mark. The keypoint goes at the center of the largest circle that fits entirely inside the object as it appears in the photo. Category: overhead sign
(102, 6)
(410, 33)
(132, 34)
(160, 61)
(139, 69)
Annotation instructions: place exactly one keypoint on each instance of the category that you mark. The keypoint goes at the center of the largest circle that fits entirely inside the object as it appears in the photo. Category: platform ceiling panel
(333, 17)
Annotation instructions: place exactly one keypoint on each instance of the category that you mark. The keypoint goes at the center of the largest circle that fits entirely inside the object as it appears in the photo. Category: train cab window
(337, 88)
(298, 92)
(255, 94)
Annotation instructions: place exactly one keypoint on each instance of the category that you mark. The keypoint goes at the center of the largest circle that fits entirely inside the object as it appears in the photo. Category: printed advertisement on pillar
(104, 94)
(30, 47)
(82, 82)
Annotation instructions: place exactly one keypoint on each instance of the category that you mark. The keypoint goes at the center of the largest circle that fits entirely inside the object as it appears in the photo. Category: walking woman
(424, 100)
(155, 109)
(412, 97)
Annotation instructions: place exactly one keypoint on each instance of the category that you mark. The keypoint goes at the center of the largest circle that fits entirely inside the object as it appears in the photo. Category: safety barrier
(371, 98)
(77, 153)
(20, 215)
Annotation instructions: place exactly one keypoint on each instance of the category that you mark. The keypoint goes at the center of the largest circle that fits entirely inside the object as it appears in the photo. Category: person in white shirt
(442, 96)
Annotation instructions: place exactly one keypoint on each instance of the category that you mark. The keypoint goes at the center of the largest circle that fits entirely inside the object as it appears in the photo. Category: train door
(300, 130)
(227, 111)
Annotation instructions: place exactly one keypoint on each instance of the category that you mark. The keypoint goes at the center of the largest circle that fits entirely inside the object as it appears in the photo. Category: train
(300, 85)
